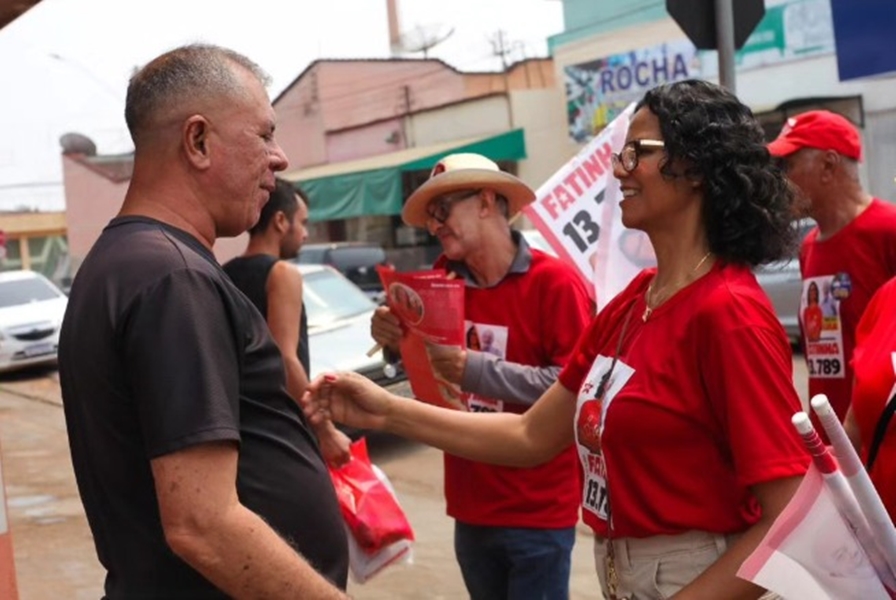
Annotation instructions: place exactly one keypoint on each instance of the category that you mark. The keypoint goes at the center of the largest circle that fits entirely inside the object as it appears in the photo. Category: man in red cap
(514, 528)
(850, 253)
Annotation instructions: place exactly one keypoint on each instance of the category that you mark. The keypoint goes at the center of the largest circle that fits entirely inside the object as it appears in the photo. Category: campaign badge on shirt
(591, 418)
(490, 339)
(841, 286)
(822, 327)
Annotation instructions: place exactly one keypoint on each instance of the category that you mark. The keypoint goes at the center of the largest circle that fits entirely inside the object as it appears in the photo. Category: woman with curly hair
(681, 390)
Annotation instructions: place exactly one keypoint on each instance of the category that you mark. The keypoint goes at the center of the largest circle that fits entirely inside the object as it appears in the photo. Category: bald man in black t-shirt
(199, 475)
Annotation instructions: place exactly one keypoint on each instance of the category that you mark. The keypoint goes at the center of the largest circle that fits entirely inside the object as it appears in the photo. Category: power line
(394, 85)
(401, 80)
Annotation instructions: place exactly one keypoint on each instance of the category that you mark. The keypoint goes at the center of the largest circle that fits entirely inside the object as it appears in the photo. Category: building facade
(360, 135)
(612, 52)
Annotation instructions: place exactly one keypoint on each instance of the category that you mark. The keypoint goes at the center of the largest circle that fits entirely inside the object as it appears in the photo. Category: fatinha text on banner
(577, 211)
(566, 192)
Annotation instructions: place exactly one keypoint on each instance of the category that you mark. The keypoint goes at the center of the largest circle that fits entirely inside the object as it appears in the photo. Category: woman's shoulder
(734, 291)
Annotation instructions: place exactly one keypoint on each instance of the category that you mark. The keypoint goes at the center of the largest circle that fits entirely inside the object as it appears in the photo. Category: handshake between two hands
(354, 400)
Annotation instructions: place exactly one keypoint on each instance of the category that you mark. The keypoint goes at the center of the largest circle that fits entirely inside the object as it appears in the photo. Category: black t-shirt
(159, 352)
(250, 274)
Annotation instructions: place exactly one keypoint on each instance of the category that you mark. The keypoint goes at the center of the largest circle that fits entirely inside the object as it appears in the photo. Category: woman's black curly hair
(747, 202)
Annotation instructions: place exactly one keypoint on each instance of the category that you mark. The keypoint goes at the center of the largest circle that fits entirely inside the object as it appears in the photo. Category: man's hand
(448, 362)
(347, 398)
(385, 328)
(334, 444)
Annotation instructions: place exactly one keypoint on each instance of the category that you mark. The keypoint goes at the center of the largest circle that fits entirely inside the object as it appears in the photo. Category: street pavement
(54, 553)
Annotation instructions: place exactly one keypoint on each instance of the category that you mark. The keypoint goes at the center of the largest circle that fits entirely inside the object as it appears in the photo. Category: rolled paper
(820, 455)
(862, 487)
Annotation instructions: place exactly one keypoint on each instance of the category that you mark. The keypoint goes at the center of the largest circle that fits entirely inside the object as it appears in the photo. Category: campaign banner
(577, 211)
(790, 30)
(598, 91)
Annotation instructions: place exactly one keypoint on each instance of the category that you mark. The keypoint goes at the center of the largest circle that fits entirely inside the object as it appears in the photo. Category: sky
(65, 64)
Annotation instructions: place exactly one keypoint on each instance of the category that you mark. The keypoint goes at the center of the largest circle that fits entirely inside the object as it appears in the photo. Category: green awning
(373, 186)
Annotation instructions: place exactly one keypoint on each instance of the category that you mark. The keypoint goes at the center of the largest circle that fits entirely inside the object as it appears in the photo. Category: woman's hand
(347, 398)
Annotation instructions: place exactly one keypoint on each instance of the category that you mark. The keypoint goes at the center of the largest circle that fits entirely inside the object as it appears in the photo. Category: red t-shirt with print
(850, 266)
(697, 410)
(538, 315)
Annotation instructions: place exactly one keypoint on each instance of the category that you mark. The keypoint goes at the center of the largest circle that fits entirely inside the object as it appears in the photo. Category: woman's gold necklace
(671, 289)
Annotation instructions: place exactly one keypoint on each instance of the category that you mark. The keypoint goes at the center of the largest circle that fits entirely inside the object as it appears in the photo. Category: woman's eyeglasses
(631, 153)
(440, 208)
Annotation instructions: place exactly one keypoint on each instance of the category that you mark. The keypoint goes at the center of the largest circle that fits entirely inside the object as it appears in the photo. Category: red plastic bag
(371, 512)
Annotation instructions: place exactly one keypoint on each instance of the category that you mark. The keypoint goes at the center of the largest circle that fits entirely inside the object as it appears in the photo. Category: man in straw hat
(852, 251)
(514, 528)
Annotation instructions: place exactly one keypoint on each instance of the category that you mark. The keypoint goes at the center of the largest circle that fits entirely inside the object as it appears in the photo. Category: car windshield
(353, 257)
(311, 255)
(329, 297)
(25, 291)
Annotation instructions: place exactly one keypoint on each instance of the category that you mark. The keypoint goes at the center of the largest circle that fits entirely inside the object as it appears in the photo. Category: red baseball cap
(819, 129)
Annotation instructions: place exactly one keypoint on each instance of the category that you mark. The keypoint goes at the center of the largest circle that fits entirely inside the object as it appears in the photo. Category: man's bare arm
(284, 290)
(232, 547)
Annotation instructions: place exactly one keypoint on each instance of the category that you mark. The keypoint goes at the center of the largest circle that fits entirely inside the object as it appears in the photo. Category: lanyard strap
(602, 385)
(612, 575)
(880, 431)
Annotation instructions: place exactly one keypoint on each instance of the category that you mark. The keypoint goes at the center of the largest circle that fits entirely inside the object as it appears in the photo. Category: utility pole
(406, 119)
(725, 43)
(721, 25)
(501, 48)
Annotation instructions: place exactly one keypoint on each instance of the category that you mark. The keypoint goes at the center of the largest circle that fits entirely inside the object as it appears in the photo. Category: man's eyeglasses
(440, 208)
(631, 153)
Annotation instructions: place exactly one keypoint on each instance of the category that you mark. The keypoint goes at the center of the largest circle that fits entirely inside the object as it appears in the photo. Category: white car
(339, 324)
(31, 311)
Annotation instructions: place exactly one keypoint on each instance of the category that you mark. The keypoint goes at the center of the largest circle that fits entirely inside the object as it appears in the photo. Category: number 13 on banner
(581, 230)
(576, 209)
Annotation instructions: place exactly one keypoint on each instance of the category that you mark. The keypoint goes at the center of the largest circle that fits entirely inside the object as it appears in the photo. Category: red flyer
(430, 305)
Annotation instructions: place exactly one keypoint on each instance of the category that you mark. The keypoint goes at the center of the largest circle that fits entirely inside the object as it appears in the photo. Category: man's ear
(830, 164)
(281, 222)
(487, 201)
(195, 141)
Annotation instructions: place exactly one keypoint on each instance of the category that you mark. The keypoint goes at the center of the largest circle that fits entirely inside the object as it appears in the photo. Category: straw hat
(458, 172)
